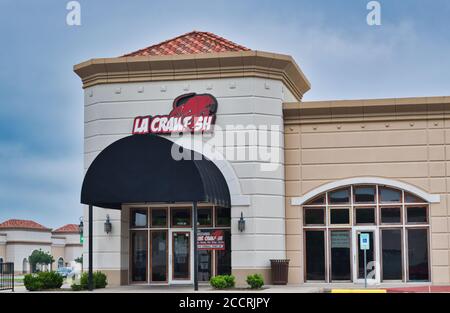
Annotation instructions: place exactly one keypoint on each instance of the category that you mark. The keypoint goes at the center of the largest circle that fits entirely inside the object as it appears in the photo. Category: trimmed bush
(223, 282)
(43, 281)
(32, 283)
(50, 280)
(255, 281)
(100, 280)
(76, 287)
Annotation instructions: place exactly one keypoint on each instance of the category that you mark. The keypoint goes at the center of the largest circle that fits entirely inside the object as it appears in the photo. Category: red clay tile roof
(22, 224)
(190, 43)
(69, 228)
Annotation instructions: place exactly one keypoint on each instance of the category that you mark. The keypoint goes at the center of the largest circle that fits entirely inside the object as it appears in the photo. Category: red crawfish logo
(191, 112)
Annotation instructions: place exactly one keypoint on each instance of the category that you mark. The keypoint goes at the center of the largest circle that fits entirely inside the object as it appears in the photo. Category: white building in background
(19, 238)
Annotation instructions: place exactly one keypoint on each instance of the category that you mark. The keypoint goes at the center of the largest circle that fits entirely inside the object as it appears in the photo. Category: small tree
(39, 257)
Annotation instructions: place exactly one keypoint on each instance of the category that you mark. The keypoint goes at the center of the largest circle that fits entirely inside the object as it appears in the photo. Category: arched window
(25, 266)
(60, 262)
(396, 222)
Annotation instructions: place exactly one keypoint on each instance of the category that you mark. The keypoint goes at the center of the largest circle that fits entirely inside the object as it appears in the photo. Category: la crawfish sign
(210, 240)
(190, 113)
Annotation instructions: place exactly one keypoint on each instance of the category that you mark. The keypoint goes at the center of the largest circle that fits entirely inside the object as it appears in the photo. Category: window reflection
(364, 194)
(390, 195)
(340, 196)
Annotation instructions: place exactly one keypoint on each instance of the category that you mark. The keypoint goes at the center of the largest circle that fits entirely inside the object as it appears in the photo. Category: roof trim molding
(431, 198)
(195, 66)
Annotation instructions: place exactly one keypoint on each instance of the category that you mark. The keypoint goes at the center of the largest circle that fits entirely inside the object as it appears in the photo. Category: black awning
(140, 169)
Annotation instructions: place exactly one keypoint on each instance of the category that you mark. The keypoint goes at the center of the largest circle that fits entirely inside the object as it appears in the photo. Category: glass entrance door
(180, 258)
(372, 256)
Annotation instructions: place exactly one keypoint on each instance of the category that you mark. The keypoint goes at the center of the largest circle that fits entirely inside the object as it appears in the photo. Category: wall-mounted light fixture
(108, 225)
(241, 223)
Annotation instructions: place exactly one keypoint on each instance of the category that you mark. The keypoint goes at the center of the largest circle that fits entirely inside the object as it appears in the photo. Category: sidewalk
(307, 288)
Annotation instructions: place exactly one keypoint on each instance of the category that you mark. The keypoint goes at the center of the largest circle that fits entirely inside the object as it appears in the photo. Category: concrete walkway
(306, 288)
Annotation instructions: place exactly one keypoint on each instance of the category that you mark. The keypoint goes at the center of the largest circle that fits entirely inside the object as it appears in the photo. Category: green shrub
(99, 278)
(223, 282)
(43, 281)
(218, 282)
(76, 287)
(50, 280)
(231, 281)
(32, 283)
(255, 281)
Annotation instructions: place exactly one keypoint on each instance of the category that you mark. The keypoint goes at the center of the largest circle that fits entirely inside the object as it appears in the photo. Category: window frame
(323, 209)
(132, 210)
(375, 216)
(151, 226)
(211, 210)
(215, 219)
(429, 251)
(378, 206)
(400, 207)
(427, 213)
(350, 196)
(173, 209)
(348, 209)
(375, 195)
(380, 199)
(325, 231)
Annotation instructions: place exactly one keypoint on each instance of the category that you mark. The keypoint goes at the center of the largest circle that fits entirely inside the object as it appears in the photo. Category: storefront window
(390, 195)
(315, 255)
(159, 255)
(223, 257)
(223, 217)
(416, 215)
(204, 217)
(364, 216)
(396, 222)
(159, 217)
(314, 216)
(317, 201)
(391, 215)
(139, 256)
(410, 198)
(339, 216)
(138, 218)
(364, 194)
(204, 265)
(391, 242)
(181, 217)
(181, 255)
(341, 196)
(418, 268)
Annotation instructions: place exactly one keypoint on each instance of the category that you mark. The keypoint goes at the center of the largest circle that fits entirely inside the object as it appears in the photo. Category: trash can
(280, 270)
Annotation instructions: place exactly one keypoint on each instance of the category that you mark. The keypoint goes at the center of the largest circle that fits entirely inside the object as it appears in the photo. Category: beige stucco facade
(16, 245)
(403, 143)
(404, 140)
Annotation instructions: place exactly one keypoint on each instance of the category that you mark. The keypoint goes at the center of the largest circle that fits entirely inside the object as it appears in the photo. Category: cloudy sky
(41, 104)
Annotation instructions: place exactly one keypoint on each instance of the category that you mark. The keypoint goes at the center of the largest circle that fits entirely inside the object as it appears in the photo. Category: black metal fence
(7, 276)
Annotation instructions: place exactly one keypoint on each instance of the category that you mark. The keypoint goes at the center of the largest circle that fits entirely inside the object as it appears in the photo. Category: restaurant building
(199, 123)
